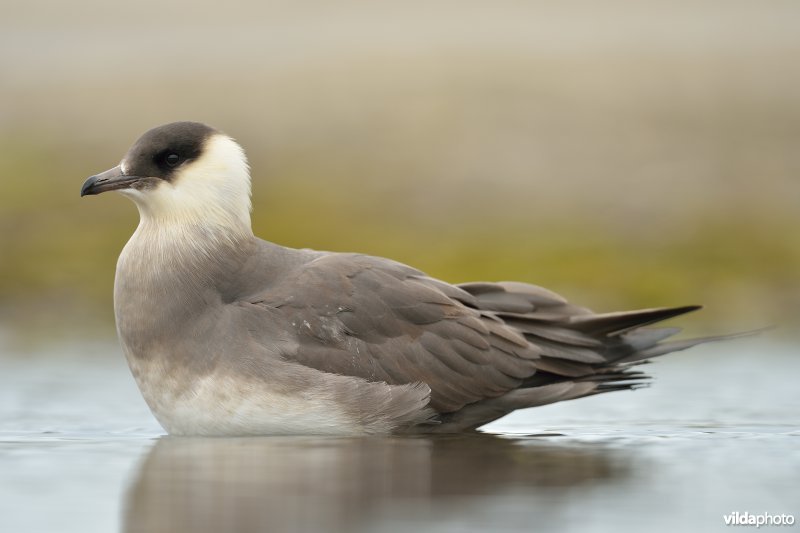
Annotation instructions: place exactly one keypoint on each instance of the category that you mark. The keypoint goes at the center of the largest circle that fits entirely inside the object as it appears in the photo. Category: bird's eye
(172, 159)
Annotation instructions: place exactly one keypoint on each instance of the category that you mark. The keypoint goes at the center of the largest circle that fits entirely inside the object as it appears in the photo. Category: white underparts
(224, 405)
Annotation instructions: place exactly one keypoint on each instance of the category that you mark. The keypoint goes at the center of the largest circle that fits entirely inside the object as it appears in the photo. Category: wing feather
(376, 319)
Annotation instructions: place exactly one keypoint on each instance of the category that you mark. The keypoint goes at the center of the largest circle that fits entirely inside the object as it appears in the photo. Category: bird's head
(184, 173)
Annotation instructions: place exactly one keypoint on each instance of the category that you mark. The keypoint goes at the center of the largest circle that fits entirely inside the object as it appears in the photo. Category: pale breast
(219, 404)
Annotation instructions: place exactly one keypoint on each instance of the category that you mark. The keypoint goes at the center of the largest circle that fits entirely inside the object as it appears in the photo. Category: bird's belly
(218, 404)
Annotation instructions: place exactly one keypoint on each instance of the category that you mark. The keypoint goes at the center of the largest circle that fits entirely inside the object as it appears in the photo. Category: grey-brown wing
(379, 320)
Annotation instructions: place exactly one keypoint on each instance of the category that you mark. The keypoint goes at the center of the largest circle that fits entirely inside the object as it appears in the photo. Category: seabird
(227, 334)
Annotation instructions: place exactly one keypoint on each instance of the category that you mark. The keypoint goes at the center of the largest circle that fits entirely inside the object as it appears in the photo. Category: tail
(581, 353)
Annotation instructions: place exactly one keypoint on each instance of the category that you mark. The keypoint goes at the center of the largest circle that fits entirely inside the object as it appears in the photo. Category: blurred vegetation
(59, 251)
(623, 156)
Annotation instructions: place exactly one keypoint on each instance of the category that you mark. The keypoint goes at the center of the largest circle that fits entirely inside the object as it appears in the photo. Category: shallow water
(718, 432)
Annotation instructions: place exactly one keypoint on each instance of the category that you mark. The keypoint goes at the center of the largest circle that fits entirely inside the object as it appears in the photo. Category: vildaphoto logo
(764, 519)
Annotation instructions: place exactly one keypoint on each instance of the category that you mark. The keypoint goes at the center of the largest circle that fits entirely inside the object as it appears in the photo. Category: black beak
(110, 180)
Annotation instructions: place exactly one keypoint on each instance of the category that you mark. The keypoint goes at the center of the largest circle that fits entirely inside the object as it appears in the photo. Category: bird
(227, 334)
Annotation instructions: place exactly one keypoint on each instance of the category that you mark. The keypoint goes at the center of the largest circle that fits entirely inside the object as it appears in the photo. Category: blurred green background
(625, 154)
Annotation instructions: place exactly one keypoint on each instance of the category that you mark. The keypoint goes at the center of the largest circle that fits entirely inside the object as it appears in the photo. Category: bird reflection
(351, 484)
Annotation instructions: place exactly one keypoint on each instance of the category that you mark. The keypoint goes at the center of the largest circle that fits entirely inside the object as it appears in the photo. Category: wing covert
(383, 321)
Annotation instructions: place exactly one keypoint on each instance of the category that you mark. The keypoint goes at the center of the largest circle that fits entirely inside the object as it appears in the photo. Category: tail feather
(676, 346)
(581, 353)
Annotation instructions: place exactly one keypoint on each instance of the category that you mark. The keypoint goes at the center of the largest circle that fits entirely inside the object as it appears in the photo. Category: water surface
(718, 432)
